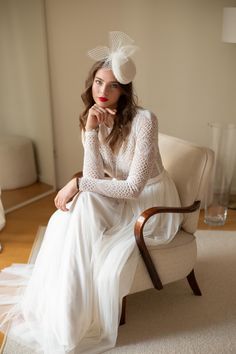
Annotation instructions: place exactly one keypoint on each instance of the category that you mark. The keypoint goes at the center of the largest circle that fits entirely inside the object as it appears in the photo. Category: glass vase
(223, 143)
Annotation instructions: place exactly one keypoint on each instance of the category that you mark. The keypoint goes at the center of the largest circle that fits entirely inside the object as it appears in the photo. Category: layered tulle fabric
(72, 300)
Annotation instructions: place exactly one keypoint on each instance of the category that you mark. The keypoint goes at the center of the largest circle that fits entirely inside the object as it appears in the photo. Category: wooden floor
(13, 197)
(18, 235)
(21, 227)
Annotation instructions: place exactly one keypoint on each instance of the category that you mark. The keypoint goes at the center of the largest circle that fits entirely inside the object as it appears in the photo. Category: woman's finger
(62, 206)
(111, 111)
(99, 109)
(100, 114)
(56, 201)
(60, 203)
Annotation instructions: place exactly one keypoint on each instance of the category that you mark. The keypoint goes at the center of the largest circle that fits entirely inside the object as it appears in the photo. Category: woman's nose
(104, 89)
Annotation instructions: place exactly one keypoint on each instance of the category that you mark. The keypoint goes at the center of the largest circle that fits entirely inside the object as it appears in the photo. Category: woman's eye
(98, 82)
(114, 85)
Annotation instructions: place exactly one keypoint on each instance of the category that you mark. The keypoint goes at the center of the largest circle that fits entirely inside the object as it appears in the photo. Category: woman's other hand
(98, 115)
(66, 194)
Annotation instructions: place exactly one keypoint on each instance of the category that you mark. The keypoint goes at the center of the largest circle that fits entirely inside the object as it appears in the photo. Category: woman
(72, 301)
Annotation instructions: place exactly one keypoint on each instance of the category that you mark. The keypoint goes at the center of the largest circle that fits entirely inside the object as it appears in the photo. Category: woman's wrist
(89, 129)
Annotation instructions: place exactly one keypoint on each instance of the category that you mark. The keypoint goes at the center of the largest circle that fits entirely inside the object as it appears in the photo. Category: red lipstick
(103, 99)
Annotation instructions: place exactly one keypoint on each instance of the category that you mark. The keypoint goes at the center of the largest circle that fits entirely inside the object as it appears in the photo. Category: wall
(186, 75)
(24, 85)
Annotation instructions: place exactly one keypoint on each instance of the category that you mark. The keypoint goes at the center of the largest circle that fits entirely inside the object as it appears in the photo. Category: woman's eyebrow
(110, 82)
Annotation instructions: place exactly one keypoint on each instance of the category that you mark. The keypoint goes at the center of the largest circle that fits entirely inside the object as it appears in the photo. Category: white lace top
(137, 160)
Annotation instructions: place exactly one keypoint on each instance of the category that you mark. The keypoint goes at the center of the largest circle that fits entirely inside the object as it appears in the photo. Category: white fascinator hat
(117, 56)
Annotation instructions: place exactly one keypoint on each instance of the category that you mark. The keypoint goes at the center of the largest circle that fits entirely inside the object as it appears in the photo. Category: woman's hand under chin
(98, 115)
(66, 194)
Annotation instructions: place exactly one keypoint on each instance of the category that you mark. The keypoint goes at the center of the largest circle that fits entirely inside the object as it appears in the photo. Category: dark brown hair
(126, 109)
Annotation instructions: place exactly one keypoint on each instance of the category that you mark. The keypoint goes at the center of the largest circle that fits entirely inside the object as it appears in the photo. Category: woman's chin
(103, 104)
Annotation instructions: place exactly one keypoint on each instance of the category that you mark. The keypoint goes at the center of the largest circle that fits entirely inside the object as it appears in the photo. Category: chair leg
(193, 284)
(122, 317)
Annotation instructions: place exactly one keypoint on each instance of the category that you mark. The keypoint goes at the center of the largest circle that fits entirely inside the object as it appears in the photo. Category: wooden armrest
(138, 232)
(78, 174)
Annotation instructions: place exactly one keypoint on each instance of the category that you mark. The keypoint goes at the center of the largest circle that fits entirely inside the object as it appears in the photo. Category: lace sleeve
(93, 165)
(141, 165)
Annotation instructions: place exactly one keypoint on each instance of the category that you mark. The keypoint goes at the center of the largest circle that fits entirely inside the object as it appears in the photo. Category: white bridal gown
(73, 294)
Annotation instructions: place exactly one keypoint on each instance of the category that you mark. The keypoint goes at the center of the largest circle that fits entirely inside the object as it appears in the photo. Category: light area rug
(173, 320)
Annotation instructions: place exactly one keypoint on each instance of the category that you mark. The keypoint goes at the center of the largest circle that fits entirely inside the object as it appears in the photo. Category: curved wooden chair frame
(138, 232)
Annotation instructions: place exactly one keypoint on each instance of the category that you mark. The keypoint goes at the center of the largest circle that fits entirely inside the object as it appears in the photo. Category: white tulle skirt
(70, 300)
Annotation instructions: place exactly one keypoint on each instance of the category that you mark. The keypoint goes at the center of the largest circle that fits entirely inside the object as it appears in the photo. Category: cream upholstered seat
(190, 166)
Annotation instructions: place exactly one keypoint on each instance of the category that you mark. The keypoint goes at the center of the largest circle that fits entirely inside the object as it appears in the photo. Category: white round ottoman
(17, 162)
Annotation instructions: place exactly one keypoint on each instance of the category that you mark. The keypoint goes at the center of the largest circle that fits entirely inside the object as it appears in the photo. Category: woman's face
(106, 89)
